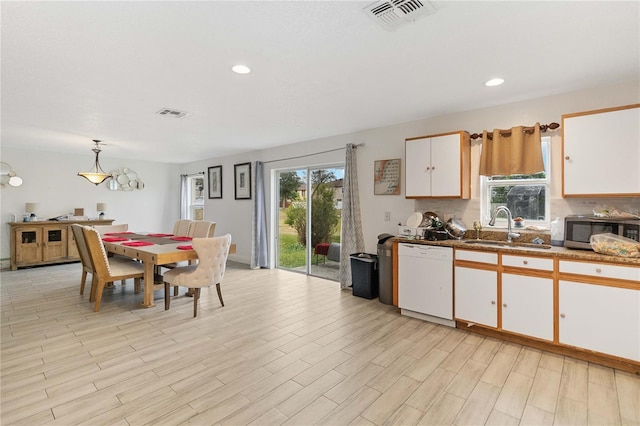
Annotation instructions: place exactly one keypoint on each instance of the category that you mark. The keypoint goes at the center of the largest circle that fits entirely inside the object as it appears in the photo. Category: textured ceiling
(81, 70)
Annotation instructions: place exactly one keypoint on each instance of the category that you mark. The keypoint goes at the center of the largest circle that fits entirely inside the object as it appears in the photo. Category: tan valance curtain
(510, 153)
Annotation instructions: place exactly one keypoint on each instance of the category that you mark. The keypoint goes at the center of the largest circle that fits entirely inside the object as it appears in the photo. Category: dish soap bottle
(557, 232)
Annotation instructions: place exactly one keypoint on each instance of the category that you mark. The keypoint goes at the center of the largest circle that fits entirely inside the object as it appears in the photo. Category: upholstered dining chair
(108, 269)
(181, 227)
(202, 229)
(212, 262)
(197, 229)
(105, 229)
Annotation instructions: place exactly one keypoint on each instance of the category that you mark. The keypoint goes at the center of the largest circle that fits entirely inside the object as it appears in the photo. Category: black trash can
(364, 275)
(385, 268)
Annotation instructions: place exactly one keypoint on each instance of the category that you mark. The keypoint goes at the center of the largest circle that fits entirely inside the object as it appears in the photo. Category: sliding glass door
(309, 209)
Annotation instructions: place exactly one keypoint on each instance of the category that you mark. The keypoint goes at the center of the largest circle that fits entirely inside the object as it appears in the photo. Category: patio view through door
(309, 211)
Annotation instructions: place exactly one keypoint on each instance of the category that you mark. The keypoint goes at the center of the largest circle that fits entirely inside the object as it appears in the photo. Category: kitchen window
(526, 196)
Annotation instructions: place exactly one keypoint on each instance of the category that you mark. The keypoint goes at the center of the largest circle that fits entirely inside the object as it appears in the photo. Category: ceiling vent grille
(393, 13)
(172, 113)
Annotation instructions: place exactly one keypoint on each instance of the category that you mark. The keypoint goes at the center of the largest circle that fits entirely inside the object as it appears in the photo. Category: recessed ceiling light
(241, 69)
(494, 82)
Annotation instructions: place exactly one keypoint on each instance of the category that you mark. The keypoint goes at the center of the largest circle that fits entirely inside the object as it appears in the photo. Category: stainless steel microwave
(579, 229)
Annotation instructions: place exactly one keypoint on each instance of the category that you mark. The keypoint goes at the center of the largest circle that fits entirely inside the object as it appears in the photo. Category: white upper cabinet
(438, 166)
(601, 153)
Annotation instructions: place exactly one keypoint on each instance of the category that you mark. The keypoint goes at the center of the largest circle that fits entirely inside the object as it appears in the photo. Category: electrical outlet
(387, 216)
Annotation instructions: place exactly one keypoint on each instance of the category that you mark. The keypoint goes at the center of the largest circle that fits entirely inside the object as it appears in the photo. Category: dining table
(153, 250)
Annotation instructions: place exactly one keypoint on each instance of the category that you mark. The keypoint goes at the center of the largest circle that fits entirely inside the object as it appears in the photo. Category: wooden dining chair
(108, 269)
(201, 229)
(181, 227)
(83, 251)
(85, 259)
(212, 262)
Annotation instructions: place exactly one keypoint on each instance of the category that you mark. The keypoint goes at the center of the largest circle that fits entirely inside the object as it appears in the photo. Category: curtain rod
(543, 128)
(309, 155)
(194, 174)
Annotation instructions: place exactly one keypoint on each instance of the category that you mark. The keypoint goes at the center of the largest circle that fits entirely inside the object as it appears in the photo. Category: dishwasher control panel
(422, 250)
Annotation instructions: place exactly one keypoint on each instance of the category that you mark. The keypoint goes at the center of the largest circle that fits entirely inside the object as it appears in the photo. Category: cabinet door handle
(433, 167)
(504, 305)
(562, 315)
(567, 158)
(526, 262)
(493, 302)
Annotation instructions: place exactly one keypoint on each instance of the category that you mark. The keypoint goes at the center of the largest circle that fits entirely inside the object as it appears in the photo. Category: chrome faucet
(510, 235)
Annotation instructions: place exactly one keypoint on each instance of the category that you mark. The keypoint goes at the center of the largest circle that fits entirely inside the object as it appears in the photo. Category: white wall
(388, 142)
(51, 180)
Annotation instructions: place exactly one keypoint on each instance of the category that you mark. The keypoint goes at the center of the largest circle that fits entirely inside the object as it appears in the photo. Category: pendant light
(96, 175)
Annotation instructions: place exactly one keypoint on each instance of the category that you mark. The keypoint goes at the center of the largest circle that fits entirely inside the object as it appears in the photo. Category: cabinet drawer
(477, 256)
(603, 270)
(545, 264)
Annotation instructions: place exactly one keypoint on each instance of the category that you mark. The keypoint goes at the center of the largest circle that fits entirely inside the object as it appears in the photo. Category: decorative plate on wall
(125, 179)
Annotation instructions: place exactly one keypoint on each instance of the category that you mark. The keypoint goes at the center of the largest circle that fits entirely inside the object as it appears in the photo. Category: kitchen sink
(508, 245)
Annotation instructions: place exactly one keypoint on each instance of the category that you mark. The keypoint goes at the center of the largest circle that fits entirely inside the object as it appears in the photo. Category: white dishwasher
(425, 282)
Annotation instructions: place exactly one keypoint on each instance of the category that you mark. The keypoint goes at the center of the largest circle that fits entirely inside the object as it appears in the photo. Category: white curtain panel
(352, 239)
(184, 196)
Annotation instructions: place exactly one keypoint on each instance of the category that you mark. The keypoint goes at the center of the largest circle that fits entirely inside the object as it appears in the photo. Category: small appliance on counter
(579, 229)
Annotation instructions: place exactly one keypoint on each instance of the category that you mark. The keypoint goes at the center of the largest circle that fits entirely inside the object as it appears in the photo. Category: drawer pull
(598, 270)
(562, 315)
(526, 262)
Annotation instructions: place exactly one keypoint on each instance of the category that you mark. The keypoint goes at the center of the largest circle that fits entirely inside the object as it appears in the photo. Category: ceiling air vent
(393, 13)
(172, 113)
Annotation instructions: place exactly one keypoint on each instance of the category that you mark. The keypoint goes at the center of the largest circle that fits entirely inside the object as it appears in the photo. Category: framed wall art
(386, 177)
(242, 181)
(215, 182)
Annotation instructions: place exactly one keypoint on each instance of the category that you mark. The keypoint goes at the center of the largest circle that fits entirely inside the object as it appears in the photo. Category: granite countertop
(553, 251)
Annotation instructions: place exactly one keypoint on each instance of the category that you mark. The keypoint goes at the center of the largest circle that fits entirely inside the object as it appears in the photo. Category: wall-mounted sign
(386, 177)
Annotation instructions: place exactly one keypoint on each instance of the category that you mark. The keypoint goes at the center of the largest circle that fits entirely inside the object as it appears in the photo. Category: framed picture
(215, 182)
(386, 177)
(242, 181)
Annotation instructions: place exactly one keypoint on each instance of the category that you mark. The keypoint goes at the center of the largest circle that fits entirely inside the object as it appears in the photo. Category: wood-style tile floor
(286, 349)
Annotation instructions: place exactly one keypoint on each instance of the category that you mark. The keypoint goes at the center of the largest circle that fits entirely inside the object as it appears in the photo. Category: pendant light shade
(96, 175)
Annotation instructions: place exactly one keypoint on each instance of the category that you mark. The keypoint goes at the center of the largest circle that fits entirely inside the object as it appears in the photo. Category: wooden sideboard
(45, 242)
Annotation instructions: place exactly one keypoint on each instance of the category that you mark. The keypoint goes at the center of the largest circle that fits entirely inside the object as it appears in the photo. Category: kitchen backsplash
(469, 210)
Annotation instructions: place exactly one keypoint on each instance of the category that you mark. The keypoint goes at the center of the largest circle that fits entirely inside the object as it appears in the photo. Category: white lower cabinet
(600, 318)
(527, 305)
(476, 295)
